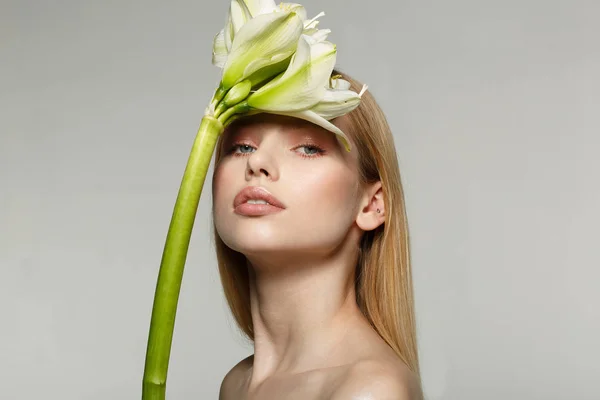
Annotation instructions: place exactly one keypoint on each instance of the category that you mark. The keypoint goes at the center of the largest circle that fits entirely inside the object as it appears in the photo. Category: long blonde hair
(384, 290)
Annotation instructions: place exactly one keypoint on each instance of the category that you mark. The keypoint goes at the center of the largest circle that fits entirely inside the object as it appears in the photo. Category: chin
(252, 237)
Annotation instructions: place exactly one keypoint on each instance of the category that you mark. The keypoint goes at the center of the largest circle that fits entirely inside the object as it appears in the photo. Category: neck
(301, 311)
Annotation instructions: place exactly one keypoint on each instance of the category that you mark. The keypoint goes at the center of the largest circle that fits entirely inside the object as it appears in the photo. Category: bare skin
(364, 367)
(310, 339)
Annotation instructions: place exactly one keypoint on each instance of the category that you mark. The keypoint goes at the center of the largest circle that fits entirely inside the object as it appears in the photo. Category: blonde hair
(384, 290)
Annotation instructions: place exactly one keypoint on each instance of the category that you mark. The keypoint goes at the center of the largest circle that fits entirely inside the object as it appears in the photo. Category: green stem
(220, 108)
(239, 108)
(219, 94)
(173, 260)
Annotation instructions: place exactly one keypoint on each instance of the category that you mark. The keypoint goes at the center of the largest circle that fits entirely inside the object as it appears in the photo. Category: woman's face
(305, 168)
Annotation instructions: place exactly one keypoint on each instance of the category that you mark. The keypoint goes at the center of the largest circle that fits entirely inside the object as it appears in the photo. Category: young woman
(319, 278)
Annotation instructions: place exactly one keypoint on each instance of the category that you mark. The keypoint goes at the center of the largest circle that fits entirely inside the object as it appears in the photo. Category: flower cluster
(276, 60)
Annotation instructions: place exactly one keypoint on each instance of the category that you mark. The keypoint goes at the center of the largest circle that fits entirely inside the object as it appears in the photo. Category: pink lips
(241, 206)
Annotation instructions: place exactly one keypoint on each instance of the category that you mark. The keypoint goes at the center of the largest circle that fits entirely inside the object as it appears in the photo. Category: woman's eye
(311, 151)
(242, 147)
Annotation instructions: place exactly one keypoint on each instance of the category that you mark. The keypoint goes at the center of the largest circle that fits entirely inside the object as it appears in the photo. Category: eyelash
(319, 153)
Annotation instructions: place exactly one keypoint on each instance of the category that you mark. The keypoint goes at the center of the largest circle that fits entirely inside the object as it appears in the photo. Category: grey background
(495, 111)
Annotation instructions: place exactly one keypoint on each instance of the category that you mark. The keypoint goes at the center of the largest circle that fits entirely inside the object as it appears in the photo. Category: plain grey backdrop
(495, 108)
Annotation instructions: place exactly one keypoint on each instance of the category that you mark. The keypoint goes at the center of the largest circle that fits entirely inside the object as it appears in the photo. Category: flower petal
(220, 53)
(229, 33)
(336, 102)
(339, 83)
(258, 7)
(259, 43)
(276, 65)
(303, 84)
(317, 120)
(239, 14)
(315, 35)
(295, 7)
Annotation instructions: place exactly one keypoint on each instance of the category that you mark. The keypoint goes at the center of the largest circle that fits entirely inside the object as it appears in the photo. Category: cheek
(323, 192)
(326, 191)
(221, 181)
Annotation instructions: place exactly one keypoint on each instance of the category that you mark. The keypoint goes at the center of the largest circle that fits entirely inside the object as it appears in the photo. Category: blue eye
(318, 150)
(314, 151)
(243, 146)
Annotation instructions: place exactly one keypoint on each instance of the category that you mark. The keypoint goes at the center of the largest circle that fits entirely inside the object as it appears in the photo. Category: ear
(368, 218)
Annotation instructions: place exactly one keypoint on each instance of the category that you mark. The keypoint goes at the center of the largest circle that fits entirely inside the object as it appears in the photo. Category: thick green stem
(173, 260)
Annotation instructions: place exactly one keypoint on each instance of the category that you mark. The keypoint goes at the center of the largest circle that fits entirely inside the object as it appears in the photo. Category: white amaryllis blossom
(338, 99)
(241, 11)
(300, 89)
(261, 42)
(263, 52)
(285, 60)
(300, 86)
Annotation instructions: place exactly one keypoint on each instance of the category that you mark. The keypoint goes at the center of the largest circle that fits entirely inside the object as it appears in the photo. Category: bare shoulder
(234, 380)
(373, 379)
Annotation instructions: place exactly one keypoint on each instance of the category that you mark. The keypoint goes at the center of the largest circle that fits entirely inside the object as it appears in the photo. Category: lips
(256, 193)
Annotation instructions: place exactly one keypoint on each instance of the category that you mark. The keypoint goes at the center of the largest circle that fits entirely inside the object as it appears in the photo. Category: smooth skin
(311, 340)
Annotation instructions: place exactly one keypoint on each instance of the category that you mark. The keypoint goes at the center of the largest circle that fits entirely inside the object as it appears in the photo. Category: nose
(261, 162)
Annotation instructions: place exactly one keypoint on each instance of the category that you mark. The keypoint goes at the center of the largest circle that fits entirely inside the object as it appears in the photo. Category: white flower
(338, 99)
(241, 11)
(263, 41)
(302, 84)
(284, 62)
